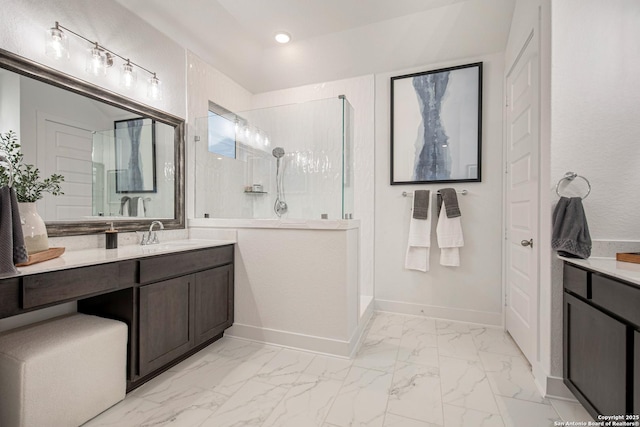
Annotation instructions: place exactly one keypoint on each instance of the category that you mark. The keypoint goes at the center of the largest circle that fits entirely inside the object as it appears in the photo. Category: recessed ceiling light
(282, 37)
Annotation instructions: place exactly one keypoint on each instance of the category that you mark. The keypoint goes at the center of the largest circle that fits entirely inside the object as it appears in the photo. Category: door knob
(527, 242)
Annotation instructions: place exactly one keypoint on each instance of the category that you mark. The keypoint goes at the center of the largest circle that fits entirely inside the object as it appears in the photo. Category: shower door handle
(527, 243)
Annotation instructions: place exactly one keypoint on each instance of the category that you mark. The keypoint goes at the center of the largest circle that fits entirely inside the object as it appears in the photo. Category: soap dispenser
(111, 237)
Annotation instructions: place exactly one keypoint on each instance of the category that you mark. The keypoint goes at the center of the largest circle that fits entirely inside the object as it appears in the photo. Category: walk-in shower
(246, 160)
(280, 206)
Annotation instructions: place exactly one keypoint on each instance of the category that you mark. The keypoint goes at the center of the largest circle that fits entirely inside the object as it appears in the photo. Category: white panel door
(67, 151)
(522, 139)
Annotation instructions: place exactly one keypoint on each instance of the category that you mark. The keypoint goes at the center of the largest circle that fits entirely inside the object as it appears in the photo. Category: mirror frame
(29, 68)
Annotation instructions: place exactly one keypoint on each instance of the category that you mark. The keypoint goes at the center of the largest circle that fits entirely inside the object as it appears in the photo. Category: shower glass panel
(313, 142)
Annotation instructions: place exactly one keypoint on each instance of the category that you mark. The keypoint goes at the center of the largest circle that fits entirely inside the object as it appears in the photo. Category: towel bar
(463, 192)
(570, 176)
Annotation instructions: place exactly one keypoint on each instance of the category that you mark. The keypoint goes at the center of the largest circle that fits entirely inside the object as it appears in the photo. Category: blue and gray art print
(433, 158)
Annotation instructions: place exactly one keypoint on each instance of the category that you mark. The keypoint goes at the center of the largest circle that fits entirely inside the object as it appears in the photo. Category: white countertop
(622, 270)
(85, 257)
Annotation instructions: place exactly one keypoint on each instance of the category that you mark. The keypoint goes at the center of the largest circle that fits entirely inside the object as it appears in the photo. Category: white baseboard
(462, 315)
(551, 386)
(556, 389)
(298, 341)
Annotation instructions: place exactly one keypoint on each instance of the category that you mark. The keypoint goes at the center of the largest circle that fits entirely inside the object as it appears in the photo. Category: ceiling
(331, 39)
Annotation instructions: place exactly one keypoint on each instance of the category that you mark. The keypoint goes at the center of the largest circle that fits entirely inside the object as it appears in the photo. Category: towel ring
(4, 159)
(570, 176)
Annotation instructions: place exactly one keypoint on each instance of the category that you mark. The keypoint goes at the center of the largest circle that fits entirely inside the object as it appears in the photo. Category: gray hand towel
(12, 248)
(421, 204)
(570, 234)
(450, 198)
(133, 206)
(123, 201)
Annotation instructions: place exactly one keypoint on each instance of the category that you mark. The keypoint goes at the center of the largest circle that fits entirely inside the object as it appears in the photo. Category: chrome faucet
(151, 238)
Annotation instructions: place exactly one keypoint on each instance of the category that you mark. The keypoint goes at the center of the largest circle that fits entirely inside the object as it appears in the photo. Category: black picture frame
(135, 172)
(436, 126)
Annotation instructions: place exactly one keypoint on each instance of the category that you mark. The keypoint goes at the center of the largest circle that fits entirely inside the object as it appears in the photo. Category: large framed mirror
(123, 161)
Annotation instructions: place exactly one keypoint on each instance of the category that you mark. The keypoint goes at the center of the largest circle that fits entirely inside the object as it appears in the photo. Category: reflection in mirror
(133, 186)
(121, 160)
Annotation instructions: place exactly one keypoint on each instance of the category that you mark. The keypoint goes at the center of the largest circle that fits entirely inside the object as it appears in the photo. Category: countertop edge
(627, 271)
(96, 256)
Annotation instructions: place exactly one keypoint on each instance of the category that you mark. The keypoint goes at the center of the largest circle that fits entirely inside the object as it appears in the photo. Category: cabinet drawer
(58, 286)
(9, 297)
(575, 280)
(617, 297)
(163, 267)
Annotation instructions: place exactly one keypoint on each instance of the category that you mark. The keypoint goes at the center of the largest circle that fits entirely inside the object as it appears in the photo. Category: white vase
(33, 228)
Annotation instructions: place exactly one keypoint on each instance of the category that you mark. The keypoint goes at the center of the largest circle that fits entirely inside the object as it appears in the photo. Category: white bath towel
(450, 238)
(418, 247)
(141, 208)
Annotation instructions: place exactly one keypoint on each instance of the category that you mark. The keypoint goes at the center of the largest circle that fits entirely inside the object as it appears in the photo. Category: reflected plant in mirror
(26, 178)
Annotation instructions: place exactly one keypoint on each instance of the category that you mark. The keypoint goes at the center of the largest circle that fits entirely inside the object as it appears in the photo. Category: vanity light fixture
(153, 90)
(56, 43)
(99, 59)
(283, 37)
(128, 75)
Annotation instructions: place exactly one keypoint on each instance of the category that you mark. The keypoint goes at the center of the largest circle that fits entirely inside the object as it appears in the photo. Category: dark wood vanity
(601, 341)
(174, 303)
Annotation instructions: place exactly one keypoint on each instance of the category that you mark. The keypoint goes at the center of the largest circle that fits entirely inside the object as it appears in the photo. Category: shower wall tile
(204, 171)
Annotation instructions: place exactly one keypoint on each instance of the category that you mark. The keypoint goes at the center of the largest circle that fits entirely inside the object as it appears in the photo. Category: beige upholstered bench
(61, 372)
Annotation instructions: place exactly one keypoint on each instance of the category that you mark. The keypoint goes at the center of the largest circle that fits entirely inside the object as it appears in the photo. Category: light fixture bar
(101, 47)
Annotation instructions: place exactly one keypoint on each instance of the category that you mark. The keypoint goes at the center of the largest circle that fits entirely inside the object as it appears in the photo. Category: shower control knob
(527, 242)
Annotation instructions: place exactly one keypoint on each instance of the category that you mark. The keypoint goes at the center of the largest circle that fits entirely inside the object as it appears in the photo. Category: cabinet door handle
(527, 242)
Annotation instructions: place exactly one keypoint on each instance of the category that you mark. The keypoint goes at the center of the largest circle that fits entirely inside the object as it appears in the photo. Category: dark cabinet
(214, 302)
(166, 322)
(179, 315)
(595, 355)
(601, 342)
(174, 304)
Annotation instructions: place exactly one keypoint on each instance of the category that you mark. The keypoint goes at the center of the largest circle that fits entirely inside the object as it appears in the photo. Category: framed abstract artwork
(135, 150)
(436, 126)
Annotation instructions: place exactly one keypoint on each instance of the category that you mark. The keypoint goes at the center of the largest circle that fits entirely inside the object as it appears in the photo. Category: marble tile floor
(410, 372)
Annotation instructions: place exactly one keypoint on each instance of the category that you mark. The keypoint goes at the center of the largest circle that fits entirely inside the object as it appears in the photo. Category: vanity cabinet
(179, 314)
(174, 304)
(601, 342)
(186, 301)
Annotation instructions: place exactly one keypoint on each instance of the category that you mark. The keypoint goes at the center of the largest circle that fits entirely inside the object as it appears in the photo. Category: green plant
(26, 178)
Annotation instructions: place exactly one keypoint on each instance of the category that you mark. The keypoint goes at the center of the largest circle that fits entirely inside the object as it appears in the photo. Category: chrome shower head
(278, 152)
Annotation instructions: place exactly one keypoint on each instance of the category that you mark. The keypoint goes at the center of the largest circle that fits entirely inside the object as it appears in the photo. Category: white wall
(595, 124)
(473, 291)
(596, 109)
(23, 24)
